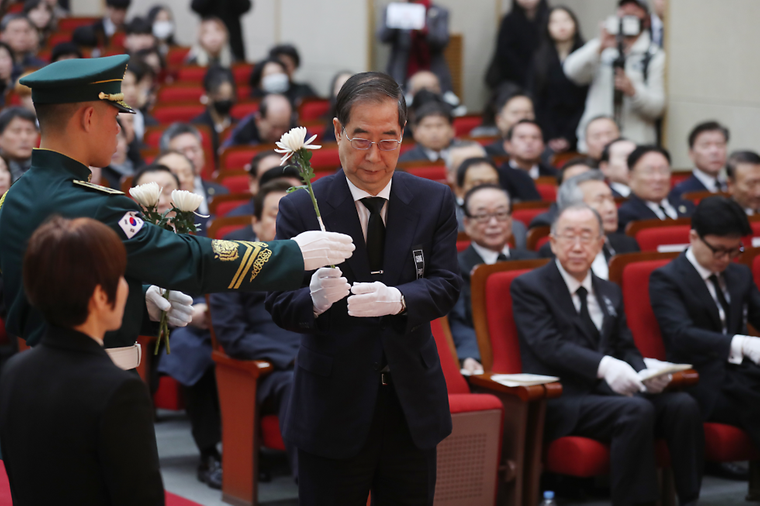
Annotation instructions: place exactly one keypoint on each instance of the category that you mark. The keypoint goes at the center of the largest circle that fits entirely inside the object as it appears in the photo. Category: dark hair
(737, 157)
(278, 173)
(216, 76)
(8, 18)
(286, 50)
(274, 186)
(606, 151)
(369, 87)
(707, 126)
(511, 130)
(168, 152)
(471, 162)
(256, 160)
(721, 216)
(153, 12)
(547, 51)
(578, 160)
(142, 53)
(507, 93)
(468, 196)
(433, 109)
(10, 51)
(264, 105)
(64, 262)
(138, 25)
(118, 4)
(29, 5)
(11, 113)
(139, 68)
(640, 151)
(175, 130)
(258, 71)
(149, 169)
(64, 48)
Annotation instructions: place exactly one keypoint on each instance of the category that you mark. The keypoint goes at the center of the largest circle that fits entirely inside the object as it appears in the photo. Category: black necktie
(502, 257)
(608, 250)
(375, 233)
(585, 316)
(721, 298)
(662, 208)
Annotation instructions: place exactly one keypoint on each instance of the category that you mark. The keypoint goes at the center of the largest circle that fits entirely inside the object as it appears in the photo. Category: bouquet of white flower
(180, 219)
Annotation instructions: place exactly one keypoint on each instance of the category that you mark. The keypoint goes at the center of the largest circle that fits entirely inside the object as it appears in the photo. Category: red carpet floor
(5, 493)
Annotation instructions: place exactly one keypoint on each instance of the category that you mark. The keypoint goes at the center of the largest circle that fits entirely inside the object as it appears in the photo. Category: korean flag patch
(131, 224)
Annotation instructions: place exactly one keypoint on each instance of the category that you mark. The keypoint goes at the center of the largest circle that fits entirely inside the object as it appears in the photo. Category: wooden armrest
(255, 368)
(684, 379)
(526, 394)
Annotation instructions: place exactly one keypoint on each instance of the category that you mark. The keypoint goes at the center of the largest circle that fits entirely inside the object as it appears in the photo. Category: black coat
(460, 317)
(230, 12)
(205, 119)
(690, 323)
(519, 184)
(518, 39)
(692, 184)
(554, 340)
(76, 429)
(635, 209)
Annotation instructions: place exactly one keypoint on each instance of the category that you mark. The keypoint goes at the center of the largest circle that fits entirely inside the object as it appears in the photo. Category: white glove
(327, 287)
(748, 346)
(658, 383)
(323, 248)
(374, 299)
(179, 307)
(620, 376)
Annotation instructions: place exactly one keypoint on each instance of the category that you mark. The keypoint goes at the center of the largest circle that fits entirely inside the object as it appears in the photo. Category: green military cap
(80, 80)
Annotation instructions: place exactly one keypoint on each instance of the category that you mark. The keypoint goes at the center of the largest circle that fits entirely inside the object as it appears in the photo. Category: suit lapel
(696, 285)
(565, 304)
(644, 207)
(735, 320)
(400, 225)
(470, 258)
(605, 303)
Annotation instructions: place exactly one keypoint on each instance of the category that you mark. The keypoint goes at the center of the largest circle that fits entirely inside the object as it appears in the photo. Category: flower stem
(163, 329)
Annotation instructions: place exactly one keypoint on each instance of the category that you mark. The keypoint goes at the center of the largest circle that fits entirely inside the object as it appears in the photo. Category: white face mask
(163, 29)
(275, 83)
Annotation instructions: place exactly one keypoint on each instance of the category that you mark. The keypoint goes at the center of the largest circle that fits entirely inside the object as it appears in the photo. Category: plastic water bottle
(548, 499)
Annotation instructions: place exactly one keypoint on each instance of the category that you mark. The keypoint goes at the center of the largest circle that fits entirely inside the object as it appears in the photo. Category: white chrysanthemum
(292, 141)
(186, 201)
(147, 194)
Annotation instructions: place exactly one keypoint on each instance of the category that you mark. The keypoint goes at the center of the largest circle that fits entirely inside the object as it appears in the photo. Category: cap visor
(122, 108)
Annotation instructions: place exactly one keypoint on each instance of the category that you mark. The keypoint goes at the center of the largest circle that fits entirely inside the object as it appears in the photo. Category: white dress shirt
(594, 310)
(623, 189)
(108, 27)
(669, 209)
(358, 194)
(710, 182)
(489, 256)
(600, 267)
(533, 172)
(434, 156)
(199, 190)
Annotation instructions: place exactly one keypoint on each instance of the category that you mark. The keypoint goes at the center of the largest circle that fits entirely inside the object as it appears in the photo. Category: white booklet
(405, 16)
(667, 368)
(523, 380)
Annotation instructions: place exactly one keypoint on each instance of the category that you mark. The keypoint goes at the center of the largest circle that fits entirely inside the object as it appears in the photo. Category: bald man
(265, 126)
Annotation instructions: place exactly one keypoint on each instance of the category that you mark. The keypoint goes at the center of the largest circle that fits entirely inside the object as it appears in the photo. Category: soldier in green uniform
(77, 102)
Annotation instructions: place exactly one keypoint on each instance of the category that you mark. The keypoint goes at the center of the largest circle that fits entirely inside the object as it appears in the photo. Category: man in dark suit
(488, 222)
(614, 166)
(265, 126)
(572, 324)
(433, 131)
(99, 33)
(369, 402)
(570, 169)
(708, 149)
(649, 168)
(743, 171)
(703, 302)
(524, 143)
(589, 188)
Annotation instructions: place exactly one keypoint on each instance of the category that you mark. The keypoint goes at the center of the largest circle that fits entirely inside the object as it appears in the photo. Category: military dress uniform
(59, 185)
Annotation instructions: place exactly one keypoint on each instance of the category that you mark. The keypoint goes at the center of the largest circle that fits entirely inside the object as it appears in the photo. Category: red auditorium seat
(59, 36)
(242, 73)
(70, 24)
(152, 138)
(220, 227)
(177, 111)
(313, 108)
(176, 56)
(526, 211)
(679, 176)
(223, 204)
(432, 172)
(463, 125)
(652, 234)
(696, 197)
(191, 74)
(181, 92)
(326, 158)
(235, 180)
(244, 107)
(238, 157)
(537, 237)
(547, 188)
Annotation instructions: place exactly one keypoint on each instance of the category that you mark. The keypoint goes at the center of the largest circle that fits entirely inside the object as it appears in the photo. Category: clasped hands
(328, 286)
(624, 380)
(179, 307)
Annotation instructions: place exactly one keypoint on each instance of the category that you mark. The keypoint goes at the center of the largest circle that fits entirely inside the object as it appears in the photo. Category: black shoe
(728, 470)
(210, 473)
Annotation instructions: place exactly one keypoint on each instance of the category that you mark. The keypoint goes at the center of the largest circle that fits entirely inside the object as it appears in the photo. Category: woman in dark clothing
(519, 37)
(221, 96)
(558, 101)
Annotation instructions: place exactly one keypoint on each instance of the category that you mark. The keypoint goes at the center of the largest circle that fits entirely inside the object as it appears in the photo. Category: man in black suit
(488, 222)
(369, 402)
(99, 33)
(649, 168)
(743, 171)
(570, 169)
(589, 188)
(708, 149)
(524, 143)
(265, 126)
(74, 427)
(572, 324)
(433, 131)
(703, 302)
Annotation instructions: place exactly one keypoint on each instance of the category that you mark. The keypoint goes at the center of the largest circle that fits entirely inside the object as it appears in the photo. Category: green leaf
(296, 188)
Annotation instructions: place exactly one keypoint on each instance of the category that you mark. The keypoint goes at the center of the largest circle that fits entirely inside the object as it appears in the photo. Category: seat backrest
(455, 383)
(313, 108)
(526, 215)
(177, 111)
(244, 108)
(463, 125)
(326, 158)
(432, 172)
(222, 226)
(650, 239)
(463, 245)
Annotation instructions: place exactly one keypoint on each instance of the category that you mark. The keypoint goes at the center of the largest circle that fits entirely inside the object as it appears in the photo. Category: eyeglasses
(365, 144)
(486, 217)
(584, 239)
(721, 252)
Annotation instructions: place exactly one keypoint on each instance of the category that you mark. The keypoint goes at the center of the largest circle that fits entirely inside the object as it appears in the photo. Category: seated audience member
(139, 35)
(572, 324)
(68, 412)
(162, 24)
(246, 331)
(703, 302)
(708, 150)
(20, 34)
(220, 98)
(743, 170)
(40, 13)
(614, 165)
(473, 172)
(66, 51)
(213, 45)
(512, 106)
(164, 178)
(571, 168)
(457, 155)
(589, 188)
(137, 87)
(18, 137)
(260, 164)
(488, 222)
(525, 143)
(100, 33)
(426, 80)
(336, 84)
(288, 55)
(120, 166)
(153, 58)
(433, 131)
(265, 126)
(270, 76)
(649, 169)
(600, 131)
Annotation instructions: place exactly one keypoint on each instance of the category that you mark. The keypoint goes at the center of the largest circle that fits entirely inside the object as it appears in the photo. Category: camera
(627, 26)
